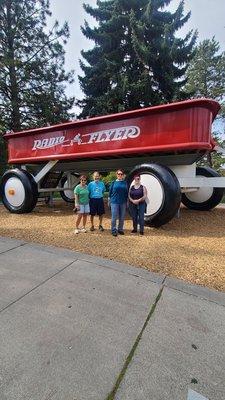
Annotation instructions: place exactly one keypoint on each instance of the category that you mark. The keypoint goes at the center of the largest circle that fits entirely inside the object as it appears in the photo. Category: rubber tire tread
(62, 194)
(30, 187)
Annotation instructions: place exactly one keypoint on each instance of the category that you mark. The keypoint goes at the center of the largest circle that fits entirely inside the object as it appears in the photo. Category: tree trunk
(209, 159)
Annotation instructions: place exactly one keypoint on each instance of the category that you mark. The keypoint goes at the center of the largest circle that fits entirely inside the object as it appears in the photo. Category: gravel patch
(191, 247)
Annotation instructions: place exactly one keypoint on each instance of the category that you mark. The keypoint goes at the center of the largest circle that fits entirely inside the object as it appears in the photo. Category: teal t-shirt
(83, 194)
(96, 189)
(118, 192)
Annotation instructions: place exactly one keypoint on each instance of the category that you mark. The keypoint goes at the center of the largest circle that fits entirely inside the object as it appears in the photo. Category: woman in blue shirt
(118, 195)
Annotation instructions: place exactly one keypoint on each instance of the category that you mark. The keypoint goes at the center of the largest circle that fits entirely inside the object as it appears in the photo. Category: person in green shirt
(81, 195)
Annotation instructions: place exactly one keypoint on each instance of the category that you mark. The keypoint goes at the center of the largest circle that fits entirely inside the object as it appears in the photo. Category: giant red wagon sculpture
(162, 143)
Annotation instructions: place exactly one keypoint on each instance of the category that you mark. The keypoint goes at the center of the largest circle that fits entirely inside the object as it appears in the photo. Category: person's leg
(84, 220)
(141, 212)
(134, 215)
(79, 216)
(114, 217)
(122, 212)
(100, 223)
(85, 214)
(101, 212)
(92, 212)
(92, 222)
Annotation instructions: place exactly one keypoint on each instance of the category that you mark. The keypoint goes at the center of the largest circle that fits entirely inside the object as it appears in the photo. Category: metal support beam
(45, 170)
(202, 182)
(69, 180)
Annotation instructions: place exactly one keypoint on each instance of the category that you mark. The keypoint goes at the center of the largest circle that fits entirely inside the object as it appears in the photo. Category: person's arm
(110, 192)
(89, 188)
(76, 198)
(103, 187)
(131, 200)
(145, 192)
(111, 189)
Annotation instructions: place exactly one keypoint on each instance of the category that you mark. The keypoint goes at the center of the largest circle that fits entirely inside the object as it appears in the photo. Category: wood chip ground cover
(191, 247)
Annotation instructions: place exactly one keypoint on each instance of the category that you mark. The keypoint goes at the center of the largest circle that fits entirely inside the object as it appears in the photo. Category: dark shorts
(97, 206)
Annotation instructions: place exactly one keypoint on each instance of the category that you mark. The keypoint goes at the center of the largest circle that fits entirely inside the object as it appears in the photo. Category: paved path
(77, 327)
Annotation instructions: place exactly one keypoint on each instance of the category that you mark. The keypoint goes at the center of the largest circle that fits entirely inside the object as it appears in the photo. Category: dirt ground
(191, 247)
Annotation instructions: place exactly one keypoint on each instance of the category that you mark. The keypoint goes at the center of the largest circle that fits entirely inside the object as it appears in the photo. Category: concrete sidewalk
(78, 327)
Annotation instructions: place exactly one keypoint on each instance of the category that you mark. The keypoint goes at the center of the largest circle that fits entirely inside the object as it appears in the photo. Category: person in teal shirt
(96, 190)
(81, 194)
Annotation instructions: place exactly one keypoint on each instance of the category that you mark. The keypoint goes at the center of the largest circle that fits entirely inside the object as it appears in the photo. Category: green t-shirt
(83, 194)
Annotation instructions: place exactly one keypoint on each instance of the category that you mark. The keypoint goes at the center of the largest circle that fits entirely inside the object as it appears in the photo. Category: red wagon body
(177, 127)
(162, 144)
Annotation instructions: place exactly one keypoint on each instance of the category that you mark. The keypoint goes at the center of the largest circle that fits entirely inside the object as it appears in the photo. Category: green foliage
(206, 72)
(218, 159)
(32, 75)
(137, 59)
(110, 177)
(206, 78)
(215, 159)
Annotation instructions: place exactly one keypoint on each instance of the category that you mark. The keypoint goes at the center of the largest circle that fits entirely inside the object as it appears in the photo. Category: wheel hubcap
(14, 192)
(201, 195)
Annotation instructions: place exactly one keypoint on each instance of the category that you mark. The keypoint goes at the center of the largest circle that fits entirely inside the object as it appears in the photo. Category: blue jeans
(118, 212)
(137, 213)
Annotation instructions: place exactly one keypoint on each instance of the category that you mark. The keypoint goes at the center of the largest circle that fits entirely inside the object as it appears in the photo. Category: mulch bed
(191, 247)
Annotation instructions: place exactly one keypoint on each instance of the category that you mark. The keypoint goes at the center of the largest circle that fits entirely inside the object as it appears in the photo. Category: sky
(207, 16)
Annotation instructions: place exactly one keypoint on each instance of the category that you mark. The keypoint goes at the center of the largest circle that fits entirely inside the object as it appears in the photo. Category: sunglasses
(83, 180)
(119, 173)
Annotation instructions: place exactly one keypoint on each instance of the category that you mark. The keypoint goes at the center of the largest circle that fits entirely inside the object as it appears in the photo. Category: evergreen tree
(3, 152)
(32, 75)
(206, 72)
(206, 78)
(137, 60)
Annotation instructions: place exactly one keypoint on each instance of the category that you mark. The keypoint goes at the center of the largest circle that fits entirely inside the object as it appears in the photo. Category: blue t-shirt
(118, 192)
(96, 189)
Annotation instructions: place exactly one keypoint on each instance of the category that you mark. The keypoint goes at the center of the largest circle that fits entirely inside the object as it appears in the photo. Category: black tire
(63, 194)
(29, 200)
(171, 193)
(212, 201)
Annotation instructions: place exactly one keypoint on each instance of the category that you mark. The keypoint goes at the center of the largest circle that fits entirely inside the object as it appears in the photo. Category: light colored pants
(84, 209)
(118, 212)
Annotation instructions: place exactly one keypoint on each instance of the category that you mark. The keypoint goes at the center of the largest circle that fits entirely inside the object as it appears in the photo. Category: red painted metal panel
(174, 127)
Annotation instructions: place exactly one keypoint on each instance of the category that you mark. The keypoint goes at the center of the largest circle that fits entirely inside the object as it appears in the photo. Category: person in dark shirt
(137, 205)
(118, 195)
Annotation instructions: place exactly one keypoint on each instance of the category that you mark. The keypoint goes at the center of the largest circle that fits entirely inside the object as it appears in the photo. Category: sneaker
(134, 231)
(114, 233)
(92, 228)
(83, 230)
(76, 231)
(121, 232)
(101, 228)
